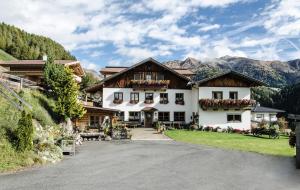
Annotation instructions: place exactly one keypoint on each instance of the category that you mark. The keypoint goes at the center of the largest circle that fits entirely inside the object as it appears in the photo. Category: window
(163, 98)
(179, 98)
(148, 76)
(134, 116)
(120, 116)
(160, 76)
(273, 116)
(179, 116)
(233, 95)
(118, 96)
(163, 116)
(234, 118)
(260, 116)
(148, 98)
(94, 122)
(137, 76)
(217, 95)
(134, 97)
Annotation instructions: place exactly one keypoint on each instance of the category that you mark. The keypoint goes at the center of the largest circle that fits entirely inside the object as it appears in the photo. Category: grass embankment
(10, 159)
(5, 56)
(263, 145)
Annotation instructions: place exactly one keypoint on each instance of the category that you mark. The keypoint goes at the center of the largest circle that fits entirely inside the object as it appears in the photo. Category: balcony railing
(150, 84)
(226, 104)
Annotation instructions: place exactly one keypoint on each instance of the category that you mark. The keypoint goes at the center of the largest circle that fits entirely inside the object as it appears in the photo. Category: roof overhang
(149, 109)
(100, 109)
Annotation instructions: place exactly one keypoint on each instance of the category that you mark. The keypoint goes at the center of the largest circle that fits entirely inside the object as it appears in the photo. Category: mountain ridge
(275, 73)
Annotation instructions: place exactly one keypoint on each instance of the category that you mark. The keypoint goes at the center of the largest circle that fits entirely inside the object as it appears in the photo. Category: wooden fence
(16, 82)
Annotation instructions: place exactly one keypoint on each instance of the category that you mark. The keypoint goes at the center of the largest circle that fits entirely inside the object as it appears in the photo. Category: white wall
(219, 118)
(206, 92)
(108, 97)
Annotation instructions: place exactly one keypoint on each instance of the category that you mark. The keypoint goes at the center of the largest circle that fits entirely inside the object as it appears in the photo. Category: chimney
(45, 57)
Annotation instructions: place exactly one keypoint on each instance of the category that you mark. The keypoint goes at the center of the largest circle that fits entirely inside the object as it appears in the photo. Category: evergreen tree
(60, 81)
(23, 45)
(24, 133)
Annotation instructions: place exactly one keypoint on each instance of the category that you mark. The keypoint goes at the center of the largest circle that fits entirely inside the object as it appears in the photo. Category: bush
(24, 133)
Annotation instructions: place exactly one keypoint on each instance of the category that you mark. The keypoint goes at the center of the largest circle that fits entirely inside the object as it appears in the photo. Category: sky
(120, 33)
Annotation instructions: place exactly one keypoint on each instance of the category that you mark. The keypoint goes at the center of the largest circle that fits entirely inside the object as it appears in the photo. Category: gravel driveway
(166, 165)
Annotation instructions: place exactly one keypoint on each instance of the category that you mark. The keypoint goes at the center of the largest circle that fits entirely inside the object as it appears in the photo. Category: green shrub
(24, 133)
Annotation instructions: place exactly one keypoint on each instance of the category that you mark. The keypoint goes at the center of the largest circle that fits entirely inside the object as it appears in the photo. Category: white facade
(126, 106)
(218, 118)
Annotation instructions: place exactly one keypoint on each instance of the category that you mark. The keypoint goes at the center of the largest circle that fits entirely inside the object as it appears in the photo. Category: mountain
(96, 75)
(274, 73)
(23, 45)
(5, 56)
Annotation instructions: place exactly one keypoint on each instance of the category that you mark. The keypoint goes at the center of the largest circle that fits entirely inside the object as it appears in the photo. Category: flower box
(148, 101)
(179, 102)
(117, 101)
(164, 101)
(226, 104)
(133, 101)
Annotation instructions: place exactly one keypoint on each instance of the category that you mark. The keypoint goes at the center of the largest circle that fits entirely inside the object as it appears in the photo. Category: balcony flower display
(164, 101)
(117, 101)
(155, 84)
(180, 102)
(148, 101)
(226, 103)
(133, 101)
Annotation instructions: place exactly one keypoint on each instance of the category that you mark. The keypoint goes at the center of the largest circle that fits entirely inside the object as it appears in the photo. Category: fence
(16, 82)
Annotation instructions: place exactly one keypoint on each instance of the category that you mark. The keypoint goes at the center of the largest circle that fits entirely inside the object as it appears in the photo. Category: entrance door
(148, 119)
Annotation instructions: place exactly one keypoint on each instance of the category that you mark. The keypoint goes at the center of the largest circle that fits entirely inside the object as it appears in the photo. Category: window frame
(165, 116)
(235, 94)
(152, 95)
(177, 118)
(163, 100)
(179, 98)
(136, 117)
(140, 76)
(115, 93)
(216, 92)
(160, 76)
(234, 120)
(132, 94)
(94, 123)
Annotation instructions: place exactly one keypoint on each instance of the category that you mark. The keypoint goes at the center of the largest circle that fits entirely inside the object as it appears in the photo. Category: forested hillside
(23, 45)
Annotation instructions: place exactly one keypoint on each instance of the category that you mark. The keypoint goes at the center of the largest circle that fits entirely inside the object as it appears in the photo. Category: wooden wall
(123, 80)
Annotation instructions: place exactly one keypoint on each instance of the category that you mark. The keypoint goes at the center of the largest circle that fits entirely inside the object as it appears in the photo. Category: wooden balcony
(226, 104)
(150, 84)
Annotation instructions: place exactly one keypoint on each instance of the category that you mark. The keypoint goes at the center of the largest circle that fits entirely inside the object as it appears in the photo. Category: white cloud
(89, 65)
(209, 27)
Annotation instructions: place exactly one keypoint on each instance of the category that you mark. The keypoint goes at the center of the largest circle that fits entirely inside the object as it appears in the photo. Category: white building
(149, 91)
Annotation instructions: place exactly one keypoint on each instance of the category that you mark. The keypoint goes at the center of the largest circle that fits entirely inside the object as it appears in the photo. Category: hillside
(274, 73)
(5, 56)
(23, 45)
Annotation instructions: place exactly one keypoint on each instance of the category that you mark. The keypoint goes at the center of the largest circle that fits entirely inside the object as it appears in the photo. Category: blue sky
(119, 33)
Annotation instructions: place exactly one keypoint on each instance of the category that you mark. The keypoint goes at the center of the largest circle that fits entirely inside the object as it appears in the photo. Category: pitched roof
(150, 59)
(40, 63)
(234, 73)
(114, 70)
(266, 110)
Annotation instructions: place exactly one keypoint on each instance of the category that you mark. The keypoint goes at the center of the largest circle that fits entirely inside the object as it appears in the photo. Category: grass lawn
(263, 145)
